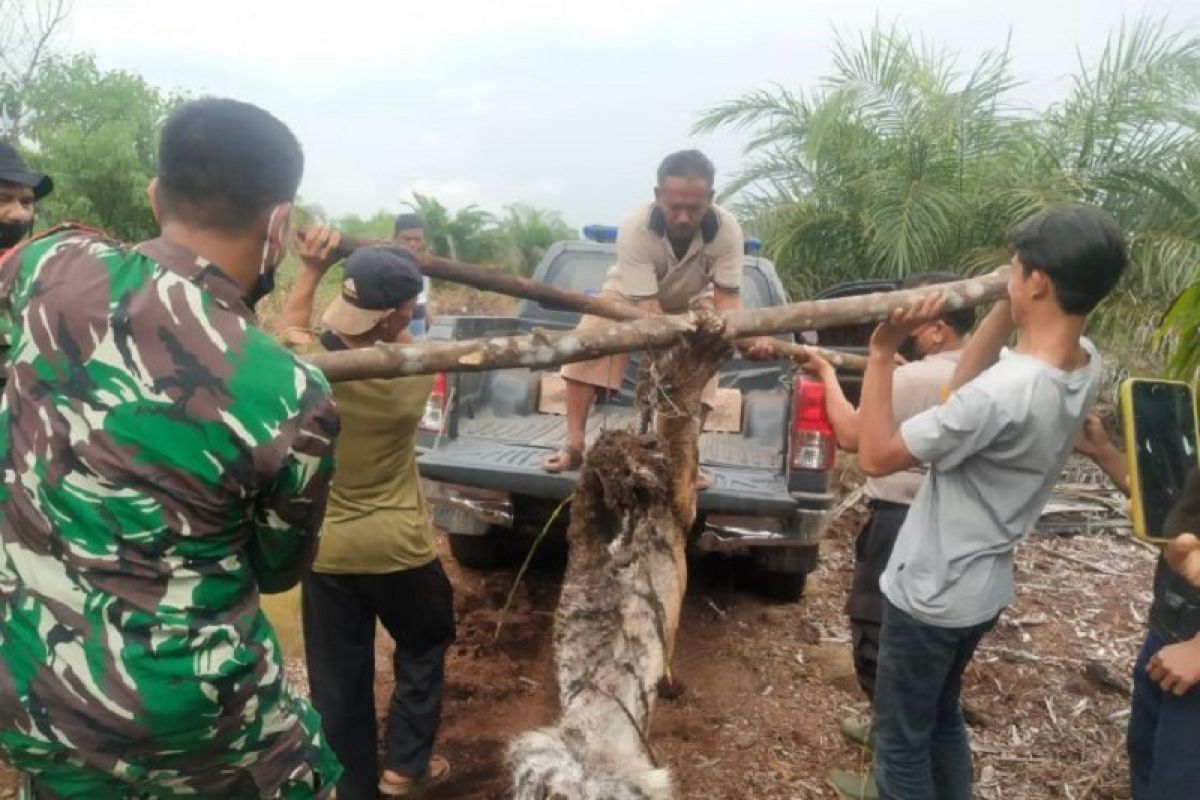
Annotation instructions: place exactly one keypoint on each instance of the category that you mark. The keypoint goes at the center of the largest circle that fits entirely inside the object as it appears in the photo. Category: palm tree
(901, 161)
(1181, 329)
(469, 234)
(890, 167)
(530, 231)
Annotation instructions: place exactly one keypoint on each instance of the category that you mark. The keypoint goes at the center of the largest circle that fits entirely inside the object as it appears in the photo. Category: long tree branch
(542, 349)
(817, 314)
(536, 350)
(491, 279)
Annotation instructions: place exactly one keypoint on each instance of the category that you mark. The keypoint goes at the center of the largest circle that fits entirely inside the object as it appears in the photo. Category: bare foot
(565, 459)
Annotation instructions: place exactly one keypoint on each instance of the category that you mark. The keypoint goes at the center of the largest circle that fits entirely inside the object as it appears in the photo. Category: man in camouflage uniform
(164, 461)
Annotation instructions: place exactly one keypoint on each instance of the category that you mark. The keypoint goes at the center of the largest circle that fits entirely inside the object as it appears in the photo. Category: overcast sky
(567, 105)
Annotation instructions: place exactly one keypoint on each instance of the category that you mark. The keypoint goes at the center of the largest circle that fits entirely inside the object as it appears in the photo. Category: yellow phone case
(1136, 512)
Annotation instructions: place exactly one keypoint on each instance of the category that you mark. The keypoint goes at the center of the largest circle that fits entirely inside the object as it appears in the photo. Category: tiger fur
(621, 597)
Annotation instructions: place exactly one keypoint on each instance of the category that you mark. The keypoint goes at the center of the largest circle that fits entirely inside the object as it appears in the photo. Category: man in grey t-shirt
(994, 450)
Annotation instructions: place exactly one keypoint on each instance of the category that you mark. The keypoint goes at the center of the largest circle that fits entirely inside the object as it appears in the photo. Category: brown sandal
(565, 459)
(437, 771)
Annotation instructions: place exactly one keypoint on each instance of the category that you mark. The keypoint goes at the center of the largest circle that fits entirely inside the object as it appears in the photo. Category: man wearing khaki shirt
(677, 249)
(918, 385)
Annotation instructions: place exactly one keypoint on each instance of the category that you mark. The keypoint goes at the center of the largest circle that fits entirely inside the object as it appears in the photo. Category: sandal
(565, 459)
(437, 771)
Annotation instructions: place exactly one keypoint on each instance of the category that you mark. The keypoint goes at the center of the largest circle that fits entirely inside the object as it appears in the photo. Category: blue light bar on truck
(602, 234)
(753, 246)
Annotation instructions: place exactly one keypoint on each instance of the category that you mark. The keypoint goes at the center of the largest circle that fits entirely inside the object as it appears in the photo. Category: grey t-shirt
(994, 450)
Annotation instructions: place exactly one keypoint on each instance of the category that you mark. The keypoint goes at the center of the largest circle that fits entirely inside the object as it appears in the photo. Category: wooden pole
(491, 279)
(542, 349)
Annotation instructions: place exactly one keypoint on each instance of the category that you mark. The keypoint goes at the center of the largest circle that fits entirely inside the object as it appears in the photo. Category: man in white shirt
(994, 451)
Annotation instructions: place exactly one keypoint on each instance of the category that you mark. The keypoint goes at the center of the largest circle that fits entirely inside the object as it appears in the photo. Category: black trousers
(416, 608)
(872, 549)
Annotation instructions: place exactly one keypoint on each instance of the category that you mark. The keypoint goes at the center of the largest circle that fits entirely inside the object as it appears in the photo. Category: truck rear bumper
(722, 533)
(514, 470)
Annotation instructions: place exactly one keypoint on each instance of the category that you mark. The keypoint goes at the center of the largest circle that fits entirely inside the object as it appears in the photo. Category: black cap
(409, 222)
(376, 280)
(14, 170)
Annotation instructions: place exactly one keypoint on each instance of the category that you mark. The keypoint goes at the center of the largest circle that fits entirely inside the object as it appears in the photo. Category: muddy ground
(766, 684)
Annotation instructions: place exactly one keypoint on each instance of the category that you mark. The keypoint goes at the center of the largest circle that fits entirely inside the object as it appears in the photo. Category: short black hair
(686, 164)
(408, 222)
(222, 163)
(963, 319)
(1081, 250)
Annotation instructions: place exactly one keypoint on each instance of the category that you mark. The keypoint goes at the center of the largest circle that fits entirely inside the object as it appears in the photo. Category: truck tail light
(435, 407)
(812, 445)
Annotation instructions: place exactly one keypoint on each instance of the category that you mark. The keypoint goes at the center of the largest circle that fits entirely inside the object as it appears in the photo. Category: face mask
(265, 284)
(11, 233)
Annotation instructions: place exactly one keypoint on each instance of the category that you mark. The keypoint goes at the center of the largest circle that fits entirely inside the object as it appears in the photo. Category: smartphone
(1161, 446)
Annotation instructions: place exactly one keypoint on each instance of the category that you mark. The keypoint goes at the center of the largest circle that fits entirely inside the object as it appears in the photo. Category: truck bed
(505, 453)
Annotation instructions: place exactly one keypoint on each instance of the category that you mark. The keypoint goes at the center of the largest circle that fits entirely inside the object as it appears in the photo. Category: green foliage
(468, 234)
(515, 241)
(902, 161)
(1181, 329)
(95, 132)
(530, 232)
(377, 226)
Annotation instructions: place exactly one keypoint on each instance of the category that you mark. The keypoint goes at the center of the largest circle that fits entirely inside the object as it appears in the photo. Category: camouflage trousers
(79, 781)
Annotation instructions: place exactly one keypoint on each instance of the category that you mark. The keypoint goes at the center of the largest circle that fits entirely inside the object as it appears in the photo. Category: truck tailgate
(505, 453)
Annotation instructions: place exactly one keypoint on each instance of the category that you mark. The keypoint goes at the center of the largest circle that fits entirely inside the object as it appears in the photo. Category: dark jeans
(921, 749)
(416, 607)
(1164, 735)
(872, 549)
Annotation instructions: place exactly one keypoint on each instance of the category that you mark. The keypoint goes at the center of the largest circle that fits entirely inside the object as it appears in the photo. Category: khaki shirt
(916, 386)
(647, 266)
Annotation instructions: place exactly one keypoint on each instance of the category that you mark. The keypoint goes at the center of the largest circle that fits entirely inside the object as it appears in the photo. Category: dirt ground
(765, 684)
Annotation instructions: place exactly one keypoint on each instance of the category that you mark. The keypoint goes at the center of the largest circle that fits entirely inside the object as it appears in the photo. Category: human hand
(760, 348)
(1176, 667)
(1092, 440)
(819, 368)
(315, 247)
(890, 334)
(1183, 556)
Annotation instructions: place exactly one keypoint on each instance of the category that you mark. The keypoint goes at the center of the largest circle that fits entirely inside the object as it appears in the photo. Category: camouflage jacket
(163, 461)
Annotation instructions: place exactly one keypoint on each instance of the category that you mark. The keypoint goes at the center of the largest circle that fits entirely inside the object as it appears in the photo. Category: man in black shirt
(1164, 748)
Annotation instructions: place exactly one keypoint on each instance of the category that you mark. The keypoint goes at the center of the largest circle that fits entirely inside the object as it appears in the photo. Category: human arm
(315, 250)
(882, 450)
(290, 510)
(843, 416)
(1094, 443)
(983, 348)
(1183, 556)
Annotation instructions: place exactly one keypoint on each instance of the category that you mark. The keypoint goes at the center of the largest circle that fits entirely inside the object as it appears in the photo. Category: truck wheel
(476, 550)
(784, 587)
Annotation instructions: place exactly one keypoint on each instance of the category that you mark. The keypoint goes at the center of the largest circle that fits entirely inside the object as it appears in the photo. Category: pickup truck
(483, 436)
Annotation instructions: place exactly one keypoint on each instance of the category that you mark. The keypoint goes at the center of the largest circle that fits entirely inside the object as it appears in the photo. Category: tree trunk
(543, 349)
